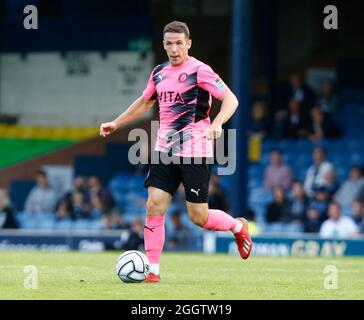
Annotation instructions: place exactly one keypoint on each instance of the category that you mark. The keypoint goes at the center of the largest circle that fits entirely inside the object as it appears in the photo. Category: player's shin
(154, 235)
(220, 221)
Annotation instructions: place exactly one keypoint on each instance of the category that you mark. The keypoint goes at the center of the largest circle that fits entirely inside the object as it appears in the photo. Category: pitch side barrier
(296, 245)
(60, 240)
(274, 245)
(83, 240)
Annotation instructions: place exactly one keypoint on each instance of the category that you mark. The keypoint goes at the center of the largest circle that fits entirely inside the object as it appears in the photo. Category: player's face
(176, 46)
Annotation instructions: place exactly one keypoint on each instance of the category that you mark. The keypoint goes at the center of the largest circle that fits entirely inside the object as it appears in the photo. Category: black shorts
(195, 178)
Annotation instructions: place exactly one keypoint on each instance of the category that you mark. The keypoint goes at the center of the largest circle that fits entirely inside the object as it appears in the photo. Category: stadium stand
(125, 184)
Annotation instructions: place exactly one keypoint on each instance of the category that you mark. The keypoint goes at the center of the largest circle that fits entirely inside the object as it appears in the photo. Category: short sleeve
(150, 91)
(210, 81)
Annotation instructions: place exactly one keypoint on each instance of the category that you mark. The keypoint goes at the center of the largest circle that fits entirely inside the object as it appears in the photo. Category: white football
(132, 266)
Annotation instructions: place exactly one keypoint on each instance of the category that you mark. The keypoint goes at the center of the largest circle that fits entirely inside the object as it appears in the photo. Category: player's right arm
(135, 111)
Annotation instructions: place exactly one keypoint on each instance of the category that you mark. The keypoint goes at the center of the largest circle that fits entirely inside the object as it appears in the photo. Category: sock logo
(193, 190)
(150, 229)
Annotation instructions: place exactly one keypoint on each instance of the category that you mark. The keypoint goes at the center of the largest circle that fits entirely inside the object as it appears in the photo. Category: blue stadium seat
(94, 225)
(356, 158)
(65, 224)
(47, 224)
(256, 170)
(286, 145)
(355, 145)
(135, 182)
(302, 160)
(80, 224)
(269, 145)
(225, 182)
(265, 159)
(341, 173)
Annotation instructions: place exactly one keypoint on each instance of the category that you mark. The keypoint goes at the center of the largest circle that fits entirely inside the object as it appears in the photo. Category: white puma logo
(193, 190)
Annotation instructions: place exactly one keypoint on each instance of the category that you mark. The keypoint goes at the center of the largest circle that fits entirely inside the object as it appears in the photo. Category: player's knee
(155, 207)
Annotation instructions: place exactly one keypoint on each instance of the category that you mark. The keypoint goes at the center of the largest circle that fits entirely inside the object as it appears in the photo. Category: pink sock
(220, 221)
(154, 237)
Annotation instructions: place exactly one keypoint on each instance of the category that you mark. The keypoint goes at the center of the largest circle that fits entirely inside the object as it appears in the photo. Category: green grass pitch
(77, 275)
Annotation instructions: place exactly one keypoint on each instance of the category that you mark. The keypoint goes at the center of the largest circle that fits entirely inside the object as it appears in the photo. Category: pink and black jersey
(184, 97)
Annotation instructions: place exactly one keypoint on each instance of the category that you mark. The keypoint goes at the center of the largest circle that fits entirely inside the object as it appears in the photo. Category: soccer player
(183, 87)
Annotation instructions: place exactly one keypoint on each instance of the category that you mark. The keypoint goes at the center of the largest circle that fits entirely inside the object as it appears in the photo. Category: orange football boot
(152, 278)
(243, 240)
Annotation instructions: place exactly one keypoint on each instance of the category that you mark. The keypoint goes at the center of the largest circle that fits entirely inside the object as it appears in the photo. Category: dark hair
(177, 27)
(41, 172)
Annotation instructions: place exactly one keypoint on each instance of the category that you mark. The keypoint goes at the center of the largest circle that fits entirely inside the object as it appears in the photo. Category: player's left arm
(229, 103)
(212, 83)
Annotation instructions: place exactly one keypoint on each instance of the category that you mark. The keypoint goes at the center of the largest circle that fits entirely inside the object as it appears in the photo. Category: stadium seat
(356, 158)
(80, 224)
(65, 224)
(269, 145)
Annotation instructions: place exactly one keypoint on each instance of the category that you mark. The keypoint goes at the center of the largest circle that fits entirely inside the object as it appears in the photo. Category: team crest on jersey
(219, 84)
(183, 77)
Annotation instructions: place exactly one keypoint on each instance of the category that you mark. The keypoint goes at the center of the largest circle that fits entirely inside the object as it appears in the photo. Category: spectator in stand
(301, 92)
(74, 204)
(72, 198)
(299, 203)
(331, 183)
(328, 100)
(217, 197)
(316, 174)
(312, 222)
(320, 202)
(79, 184)
(136, 238)
(101, 197)
(114, 221)
(337, 226)
(357, 211)
(295, 124)
(64, 210)
(321, 126)
(358, 215)
(278, 211)
(277, 174)
(179, 235)
(352, 189)
(260, 121)
(42, 198)
(80, 208)
(7, 218)
(296, 89)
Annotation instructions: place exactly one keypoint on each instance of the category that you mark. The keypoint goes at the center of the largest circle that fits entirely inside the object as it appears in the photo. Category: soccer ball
(132, 266)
